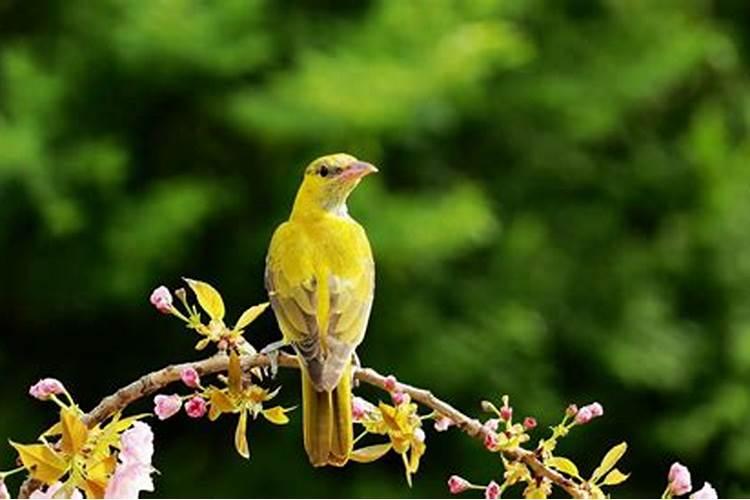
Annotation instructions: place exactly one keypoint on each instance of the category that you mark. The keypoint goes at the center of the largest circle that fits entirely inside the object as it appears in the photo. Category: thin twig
(152, 382)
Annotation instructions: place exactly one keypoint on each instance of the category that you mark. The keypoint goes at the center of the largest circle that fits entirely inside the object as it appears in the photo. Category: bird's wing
(296, 295)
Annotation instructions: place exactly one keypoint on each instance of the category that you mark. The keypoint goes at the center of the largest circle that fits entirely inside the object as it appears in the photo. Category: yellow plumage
(321, 278)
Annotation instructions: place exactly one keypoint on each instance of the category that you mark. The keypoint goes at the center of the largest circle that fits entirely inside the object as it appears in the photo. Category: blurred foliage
(562, 213)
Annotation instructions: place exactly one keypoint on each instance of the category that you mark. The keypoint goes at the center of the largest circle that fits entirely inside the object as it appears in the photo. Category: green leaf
(614, 477)
(42, 463)
(240, 436)
(209, 299)
(249, 315)
(563, 465)
(370, 453)
(609, 461)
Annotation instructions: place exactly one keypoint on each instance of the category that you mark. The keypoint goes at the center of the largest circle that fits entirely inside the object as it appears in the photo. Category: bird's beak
(359, 169)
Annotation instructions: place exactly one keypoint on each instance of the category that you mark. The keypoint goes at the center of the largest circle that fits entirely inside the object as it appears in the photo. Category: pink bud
(571, 410)
(597, 410)
(161, 299)
(705, 493)
(442, 423)
(457, 484)
(490, 441)
(400, 398)
(679, 479)
(166, 406)
(584, 415)
(4, 494)
(45, 388)
(190, 377)
(492, 491)
(492, 424)
(360, 408)
(390, 383)
(529, 423)
(196, 407)
(506, 413)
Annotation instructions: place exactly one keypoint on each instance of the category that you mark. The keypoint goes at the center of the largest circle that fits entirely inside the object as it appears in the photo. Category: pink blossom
(166, 406)
(133, 472)
(360, 408)
(529, 423)
(705, 493)
(46, 387)
(457, 484)
(161, 299)
(584, 415)
(137, 444)
(196, 407)
(390, 383)
(442, 423)
(4, 493)
(400, 398)
(492, 491)
(506, 413)
(679, 479)
(597, 410)
(51, 492)
(490, 441)
(492, 424)
(190, 377)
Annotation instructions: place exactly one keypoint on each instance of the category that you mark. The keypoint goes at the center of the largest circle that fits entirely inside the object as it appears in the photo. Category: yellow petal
(276, 415)
(240, 436)
(235, 373)
(614, 477)
(370, 453)
(201, 344)
(55, 430)
(74, 431)
(609, 461)
(563, 465)
(98, 472)
(220, 403)
(42, 463)
(209, 299)
(94, 489)
(249, 315)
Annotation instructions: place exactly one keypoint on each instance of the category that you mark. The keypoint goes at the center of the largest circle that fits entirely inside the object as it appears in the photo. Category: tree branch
(152, 382)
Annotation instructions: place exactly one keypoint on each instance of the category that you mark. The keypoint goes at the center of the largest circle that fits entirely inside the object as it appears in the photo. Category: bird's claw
(272, 352)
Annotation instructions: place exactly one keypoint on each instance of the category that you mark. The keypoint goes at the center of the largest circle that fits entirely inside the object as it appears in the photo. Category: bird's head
(328, 182)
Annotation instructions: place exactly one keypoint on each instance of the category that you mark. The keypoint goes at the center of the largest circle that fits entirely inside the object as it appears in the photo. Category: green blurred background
(562, 214)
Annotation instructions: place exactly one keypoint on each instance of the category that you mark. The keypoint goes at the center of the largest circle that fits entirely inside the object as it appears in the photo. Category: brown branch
(152, 382)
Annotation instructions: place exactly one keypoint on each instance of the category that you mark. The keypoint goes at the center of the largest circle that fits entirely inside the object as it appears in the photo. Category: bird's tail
(327, 418)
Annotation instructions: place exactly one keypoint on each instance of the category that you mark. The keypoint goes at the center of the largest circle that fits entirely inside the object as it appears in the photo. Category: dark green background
(562, 214)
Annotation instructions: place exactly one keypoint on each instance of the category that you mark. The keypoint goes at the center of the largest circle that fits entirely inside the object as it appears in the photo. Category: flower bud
(506, 413)
(45, 388)
(492, 424)
(166, 406)
(5, 494)
(492, 491)
(457, 484)
(400, 398)
(679, 479)
(161, 299)
(190, 377)
(490, 441)
(584, 416)
(571, 410)
(597, 410)
(360, 408)
(442, 423)
(196, 407)
(529, 423)
(181, 294)
(487, 406)
(390, 383)
(419, 435)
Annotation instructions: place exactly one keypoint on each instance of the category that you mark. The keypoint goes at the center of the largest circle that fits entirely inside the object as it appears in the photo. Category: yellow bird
(320, 278)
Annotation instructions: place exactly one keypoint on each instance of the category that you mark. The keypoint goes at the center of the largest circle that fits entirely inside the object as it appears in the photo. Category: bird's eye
(323, 171)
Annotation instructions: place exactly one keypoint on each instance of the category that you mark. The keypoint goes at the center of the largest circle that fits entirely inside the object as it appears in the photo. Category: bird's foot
(272, 351)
